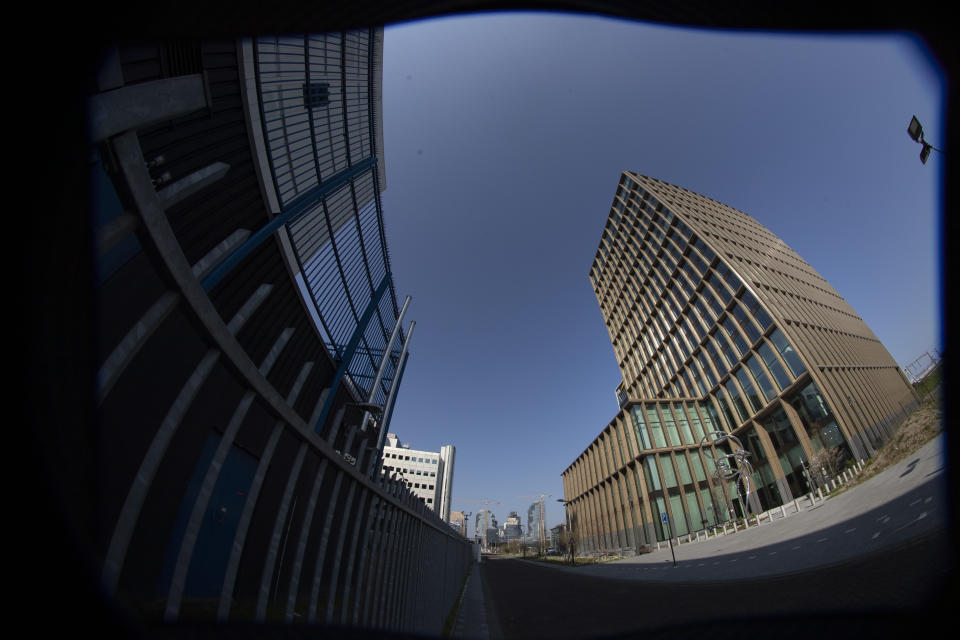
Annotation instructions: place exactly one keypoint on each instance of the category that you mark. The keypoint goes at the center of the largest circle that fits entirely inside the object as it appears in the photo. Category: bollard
(734, 526)
(820, 492)
(796, 506)
(783, 512)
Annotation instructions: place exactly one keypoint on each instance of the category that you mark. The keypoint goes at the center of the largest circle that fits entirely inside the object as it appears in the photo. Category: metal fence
(221, 499)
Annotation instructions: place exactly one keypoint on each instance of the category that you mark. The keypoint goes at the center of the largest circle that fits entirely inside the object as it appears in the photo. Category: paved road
(874, 561)
(905, 501)
(875, 596)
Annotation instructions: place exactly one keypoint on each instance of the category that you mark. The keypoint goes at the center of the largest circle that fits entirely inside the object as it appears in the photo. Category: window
(715, 358)
(316, 95)
(745, 322)
(655, 428)
(684, 426)
(651, 474)
(671, 426)
(755, 310)
(787, 352)
(721, 398)
(773, 364)
(683, 468)
(640, 428)
(735, 336)
(748, 388)
(669, 477)
(766, 387)
(734, 392)
(708, 372)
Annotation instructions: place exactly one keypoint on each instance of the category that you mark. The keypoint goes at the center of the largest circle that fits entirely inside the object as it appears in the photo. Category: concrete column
(141, 105)
(376, 587)
(280, 520)
(345, 522)
(240, 537)
(361, 615)
(353, 561)
(302, 541)
(322, 548)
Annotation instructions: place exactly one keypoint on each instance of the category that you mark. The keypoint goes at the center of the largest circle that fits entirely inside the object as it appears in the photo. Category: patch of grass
(930, 382)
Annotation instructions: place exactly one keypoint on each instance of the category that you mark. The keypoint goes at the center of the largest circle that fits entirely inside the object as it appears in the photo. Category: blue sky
(505, 135)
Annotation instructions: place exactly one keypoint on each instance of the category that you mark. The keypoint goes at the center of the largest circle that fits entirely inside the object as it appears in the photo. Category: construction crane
(543, 532)
(486, 511)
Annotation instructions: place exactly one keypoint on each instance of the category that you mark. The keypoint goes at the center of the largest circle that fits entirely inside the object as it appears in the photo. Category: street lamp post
(915, 131)
(570, 541)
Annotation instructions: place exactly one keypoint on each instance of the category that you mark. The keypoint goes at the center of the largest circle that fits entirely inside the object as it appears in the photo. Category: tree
(826, 463)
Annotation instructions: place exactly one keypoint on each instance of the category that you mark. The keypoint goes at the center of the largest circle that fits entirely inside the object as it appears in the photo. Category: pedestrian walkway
(472, 617)
(905, 502)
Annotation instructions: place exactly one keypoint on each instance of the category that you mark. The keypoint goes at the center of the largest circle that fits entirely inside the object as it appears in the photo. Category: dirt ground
(919, 428)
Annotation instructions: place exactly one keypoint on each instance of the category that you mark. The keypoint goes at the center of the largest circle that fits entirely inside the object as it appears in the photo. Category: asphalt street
(876, 560)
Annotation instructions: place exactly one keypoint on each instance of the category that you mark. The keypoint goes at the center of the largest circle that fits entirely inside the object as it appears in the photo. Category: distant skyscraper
(718, 326)
(486, 521)
(512, 529)
(428, 474)
(458, 520)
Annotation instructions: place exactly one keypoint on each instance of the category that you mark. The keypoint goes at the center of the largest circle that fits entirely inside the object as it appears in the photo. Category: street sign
(663, 517)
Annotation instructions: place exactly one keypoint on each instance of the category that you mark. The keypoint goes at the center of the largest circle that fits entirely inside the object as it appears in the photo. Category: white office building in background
(428, 474)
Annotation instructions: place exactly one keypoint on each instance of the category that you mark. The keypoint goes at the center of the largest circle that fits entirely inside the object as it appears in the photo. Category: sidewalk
(906, 501)
(472, 617)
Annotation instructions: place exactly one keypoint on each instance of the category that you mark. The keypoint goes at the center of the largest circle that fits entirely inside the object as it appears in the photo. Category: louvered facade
(718, 326)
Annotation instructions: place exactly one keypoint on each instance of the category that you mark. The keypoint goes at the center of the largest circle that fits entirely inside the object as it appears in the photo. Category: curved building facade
(250, 342)
(718, 327)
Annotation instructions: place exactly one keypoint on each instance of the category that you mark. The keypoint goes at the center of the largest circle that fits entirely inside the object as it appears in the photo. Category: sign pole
(666, 521)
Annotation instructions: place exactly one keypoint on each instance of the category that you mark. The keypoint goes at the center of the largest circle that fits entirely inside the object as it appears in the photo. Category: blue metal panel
(350, 350)
(297, 207)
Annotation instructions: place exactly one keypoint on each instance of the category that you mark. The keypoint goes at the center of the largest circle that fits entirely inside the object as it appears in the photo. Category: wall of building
(233, 479)
(718, 326)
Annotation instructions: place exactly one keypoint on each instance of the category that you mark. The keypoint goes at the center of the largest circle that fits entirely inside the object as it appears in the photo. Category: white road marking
(822, 539)
(927, 501)
(850, 530)
(922, 515)
(794, 548)
(876, 535)
(915, 502)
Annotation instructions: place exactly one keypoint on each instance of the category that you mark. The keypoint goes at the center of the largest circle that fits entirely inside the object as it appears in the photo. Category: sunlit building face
(718, 328)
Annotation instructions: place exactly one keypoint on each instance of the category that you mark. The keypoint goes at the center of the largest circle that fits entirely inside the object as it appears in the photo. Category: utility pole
(486, 511)
(542, 533)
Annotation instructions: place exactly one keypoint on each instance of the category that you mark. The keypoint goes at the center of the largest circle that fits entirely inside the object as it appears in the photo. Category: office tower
(458, 522)
(250, 342)
(428, 474)
(485, 530)
(512, 529)
(718, 328)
